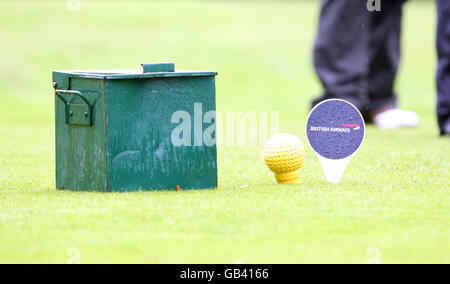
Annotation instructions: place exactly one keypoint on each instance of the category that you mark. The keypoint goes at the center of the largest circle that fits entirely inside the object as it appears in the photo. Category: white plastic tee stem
(334, 169)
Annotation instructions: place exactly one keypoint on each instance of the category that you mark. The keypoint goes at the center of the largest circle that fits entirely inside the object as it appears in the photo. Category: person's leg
(341, 51)
(443, 72)
(385, 27)
(356, 57)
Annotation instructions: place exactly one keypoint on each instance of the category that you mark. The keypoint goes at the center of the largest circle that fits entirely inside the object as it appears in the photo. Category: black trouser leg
(357, 52)
(341, 51)
(443, 72)
(384, 57)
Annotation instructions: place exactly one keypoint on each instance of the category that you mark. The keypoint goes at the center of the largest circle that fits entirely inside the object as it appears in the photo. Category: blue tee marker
(335, 130)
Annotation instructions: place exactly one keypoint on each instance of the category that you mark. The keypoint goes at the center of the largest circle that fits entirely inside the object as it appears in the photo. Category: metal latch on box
(76, 114)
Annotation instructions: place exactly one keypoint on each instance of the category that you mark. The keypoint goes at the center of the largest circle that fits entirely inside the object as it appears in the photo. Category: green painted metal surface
(135, 130)
(158, 67)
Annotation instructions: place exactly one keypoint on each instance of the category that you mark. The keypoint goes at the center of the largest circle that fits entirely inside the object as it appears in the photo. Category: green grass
(394, 197)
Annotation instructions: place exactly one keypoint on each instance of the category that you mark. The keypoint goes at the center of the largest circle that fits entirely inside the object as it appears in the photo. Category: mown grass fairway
(394, 199)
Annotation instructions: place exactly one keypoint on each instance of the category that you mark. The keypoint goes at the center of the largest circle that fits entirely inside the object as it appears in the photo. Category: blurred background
(261, 49)
(263, 53)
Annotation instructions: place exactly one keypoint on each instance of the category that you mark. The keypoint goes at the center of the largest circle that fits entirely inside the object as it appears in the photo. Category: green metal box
(128, 130)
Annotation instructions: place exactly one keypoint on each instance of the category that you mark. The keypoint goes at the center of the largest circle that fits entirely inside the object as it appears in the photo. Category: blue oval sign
(335, 129)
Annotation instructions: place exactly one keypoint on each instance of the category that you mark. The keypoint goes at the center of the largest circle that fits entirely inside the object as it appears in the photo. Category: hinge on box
(76, 114)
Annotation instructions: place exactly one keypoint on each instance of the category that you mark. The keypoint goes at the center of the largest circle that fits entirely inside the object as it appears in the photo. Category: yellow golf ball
(284, 154)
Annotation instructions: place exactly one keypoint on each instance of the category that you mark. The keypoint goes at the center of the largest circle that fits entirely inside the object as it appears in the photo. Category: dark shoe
(446, 128)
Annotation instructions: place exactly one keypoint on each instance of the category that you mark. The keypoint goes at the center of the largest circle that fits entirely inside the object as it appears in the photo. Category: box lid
(149, 70)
